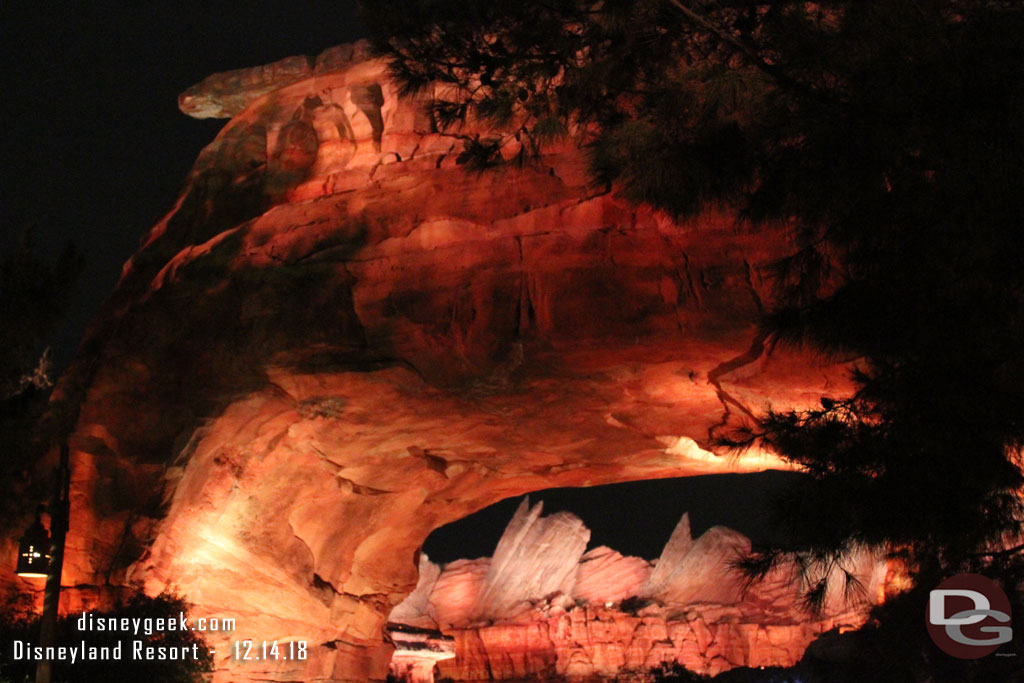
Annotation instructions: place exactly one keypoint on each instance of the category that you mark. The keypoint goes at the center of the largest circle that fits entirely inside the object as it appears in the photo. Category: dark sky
(635, 518)
(95, 151)
(94, 147)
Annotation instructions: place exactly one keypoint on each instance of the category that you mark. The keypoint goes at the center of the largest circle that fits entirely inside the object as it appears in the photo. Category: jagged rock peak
(702, 570)
(536, 557)
(677, 548)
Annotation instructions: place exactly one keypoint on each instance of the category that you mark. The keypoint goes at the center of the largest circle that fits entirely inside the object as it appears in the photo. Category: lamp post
(33, 562)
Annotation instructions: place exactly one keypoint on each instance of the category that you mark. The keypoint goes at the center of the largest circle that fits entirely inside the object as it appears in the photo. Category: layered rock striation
(339, 339)
(602, 615)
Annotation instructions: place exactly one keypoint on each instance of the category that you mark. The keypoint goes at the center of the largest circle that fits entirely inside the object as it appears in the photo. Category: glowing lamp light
(34, 551)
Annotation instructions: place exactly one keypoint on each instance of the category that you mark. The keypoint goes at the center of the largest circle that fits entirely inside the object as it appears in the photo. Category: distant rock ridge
(541, 606)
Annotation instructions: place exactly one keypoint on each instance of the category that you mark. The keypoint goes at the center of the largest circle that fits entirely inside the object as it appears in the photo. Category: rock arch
(295, 382)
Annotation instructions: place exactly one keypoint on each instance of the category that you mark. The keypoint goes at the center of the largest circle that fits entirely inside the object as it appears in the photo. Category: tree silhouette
(888, 135)
(33, 298)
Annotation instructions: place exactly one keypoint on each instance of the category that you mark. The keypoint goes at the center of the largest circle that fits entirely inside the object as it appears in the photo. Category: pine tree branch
(746, 50)
(1001, 553)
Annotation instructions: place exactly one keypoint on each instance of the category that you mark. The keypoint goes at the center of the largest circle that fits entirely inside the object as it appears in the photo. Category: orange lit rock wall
(594, 641)
(340, 339)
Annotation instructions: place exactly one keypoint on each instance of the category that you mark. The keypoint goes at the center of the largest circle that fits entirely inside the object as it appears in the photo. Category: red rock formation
(453, 600)
(605, 577)
(694, 608)
(339, 339)
(415, 609)
(597, 641)
(417, 652)
(536, 557)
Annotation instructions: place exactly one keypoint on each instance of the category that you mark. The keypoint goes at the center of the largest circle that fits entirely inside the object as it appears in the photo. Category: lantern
(34, 551)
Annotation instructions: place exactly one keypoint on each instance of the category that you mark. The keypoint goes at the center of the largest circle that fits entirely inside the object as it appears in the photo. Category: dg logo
(968, 616)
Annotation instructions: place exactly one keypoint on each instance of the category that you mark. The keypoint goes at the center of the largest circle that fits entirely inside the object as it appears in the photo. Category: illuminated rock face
(605, 615)
(340, 339)
(417, 652)
(605, 576)
(536, 557)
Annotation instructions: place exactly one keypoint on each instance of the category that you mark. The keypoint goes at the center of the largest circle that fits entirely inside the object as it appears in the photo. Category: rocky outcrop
(668, 567)
(417, 652)
(605, 577)
(598, 642)
(692, 570)
(624, 619)
(414, 610)
(536, 557)
(339, 339)
(456, 593)
(226, 94)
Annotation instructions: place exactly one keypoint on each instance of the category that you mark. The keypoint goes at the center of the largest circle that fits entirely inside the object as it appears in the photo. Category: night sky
(635, 518)
(95, 152)
(94, 147)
